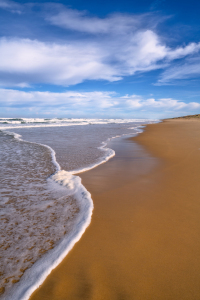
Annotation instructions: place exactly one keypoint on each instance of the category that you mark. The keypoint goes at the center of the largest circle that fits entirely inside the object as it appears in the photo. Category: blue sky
(108, 59)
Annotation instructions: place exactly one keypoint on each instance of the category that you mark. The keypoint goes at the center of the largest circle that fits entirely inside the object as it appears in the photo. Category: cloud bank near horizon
(73, 103)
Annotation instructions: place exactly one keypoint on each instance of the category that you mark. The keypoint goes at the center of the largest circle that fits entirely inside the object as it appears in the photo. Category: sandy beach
(144, 238)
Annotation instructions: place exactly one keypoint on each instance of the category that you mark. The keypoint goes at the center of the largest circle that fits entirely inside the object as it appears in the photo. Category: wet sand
(144, 238)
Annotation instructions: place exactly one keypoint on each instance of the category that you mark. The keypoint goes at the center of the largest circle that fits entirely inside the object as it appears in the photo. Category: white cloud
(25, 62)
(180, 52)
(160, 104)
(72, 99)
(113, 47)
(92, 103)
(12, 6)
(189, 69)
(81, 21)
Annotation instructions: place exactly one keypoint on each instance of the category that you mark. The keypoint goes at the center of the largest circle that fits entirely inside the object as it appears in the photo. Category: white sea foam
(36, 275)
(9, 123)
(109, 153)
(16, 135)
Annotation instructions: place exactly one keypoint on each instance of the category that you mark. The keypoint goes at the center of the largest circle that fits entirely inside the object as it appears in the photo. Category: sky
(99, 59)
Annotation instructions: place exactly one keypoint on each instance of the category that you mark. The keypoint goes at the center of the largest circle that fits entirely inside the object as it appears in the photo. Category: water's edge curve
(37, 274)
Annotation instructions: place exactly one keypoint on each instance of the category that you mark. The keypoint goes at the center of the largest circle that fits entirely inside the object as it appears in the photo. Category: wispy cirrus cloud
(72, 19)
(11, 6)
(190, 68)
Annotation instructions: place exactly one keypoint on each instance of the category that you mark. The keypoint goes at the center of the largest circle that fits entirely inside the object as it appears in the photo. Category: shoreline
(144, 240)
(56, 255)
(36, 275)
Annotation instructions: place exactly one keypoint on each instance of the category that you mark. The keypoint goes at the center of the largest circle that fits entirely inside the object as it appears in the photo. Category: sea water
(44, 207)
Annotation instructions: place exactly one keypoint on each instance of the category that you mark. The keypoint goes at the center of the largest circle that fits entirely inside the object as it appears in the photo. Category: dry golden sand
(144, 239)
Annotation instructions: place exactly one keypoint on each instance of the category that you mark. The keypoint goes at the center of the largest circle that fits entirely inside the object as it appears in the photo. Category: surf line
(37, 274)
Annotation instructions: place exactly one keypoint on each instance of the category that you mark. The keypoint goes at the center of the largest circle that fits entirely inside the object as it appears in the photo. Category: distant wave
(9, 123)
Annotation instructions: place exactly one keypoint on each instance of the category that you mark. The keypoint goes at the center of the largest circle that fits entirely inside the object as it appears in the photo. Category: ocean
(45, 209)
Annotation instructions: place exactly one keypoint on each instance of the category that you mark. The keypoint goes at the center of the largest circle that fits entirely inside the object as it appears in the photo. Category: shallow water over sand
(30, 206)
(37, 213)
